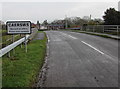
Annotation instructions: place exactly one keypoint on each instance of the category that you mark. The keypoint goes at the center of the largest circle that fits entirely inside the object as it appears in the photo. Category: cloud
(53, 10)
(59, 0)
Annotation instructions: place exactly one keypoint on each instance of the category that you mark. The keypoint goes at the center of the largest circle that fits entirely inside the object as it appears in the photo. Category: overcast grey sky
(54, 10)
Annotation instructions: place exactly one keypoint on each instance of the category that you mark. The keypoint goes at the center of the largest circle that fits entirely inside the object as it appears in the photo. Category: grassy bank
(22, 68)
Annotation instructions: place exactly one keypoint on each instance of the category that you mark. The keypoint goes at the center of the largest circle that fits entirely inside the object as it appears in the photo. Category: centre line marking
(68, 35)
(92, 47)
(72, 37)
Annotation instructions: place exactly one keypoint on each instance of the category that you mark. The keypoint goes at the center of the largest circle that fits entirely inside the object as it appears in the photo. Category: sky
(34, 10)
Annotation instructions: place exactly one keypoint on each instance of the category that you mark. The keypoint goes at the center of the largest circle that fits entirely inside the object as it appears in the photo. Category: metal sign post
(25, 44)
(8, 52)
(13, 39)
(21, 44)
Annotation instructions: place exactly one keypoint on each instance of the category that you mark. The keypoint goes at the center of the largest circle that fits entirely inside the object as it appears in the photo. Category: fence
(113, 29)
(8, 39)
(8, 48)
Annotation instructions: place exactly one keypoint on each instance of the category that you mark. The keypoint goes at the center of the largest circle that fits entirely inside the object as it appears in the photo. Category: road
(81, 60)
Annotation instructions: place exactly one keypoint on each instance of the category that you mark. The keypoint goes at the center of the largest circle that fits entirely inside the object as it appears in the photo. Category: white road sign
(18, 27)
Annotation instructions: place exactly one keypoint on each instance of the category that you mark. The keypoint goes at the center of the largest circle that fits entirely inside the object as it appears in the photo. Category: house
(55, 26)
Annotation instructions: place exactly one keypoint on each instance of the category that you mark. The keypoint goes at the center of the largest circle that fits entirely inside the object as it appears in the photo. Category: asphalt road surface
(81, 60)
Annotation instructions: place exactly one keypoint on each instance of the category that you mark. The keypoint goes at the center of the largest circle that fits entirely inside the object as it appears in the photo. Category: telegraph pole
(38, 25)
(90, 16)
(66, 25)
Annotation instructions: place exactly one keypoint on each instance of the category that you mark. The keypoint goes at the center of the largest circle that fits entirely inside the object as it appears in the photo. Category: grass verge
(22, 68)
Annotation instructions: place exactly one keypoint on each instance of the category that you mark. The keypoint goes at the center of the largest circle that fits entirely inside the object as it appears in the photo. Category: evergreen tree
(112, 17)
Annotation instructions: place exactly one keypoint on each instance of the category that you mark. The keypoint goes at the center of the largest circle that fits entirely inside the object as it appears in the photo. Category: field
(6, 39)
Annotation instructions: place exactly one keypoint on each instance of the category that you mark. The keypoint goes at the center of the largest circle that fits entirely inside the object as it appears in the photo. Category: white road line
(72, 37)
(100, 52)
(92, 47)
(68, 35)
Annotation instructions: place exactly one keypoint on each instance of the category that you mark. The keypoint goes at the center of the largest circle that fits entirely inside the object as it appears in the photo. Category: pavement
(39, 36)
(80, 60)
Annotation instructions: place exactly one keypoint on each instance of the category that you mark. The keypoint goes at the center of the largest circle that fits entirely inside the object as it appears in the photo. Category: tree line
(111, 17)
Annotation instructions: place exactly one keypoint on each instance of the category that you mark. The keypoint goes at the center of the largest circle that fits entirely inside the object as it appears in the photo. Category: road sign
(18, 27)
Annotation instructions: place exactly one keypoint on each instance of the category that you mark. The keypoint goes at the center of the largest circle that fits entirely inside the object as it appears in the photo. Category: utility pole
(90, 17)
(38, 25)
(66, 25)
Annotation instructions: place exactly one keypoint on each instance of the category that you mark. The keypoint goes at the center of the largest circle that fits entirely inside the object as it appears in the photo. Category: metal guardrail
(12, 46)
(8, 48)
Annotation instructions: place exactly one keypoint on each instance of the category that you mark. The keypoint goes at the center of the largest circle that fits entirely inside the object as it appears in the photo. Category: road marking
(72, 37)
(92, 47)
(68, 35)
(116, 61)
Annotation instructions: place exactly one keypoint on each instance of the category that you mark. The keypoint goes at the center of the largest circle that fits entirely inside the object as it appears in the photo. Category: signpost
(19, 27)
